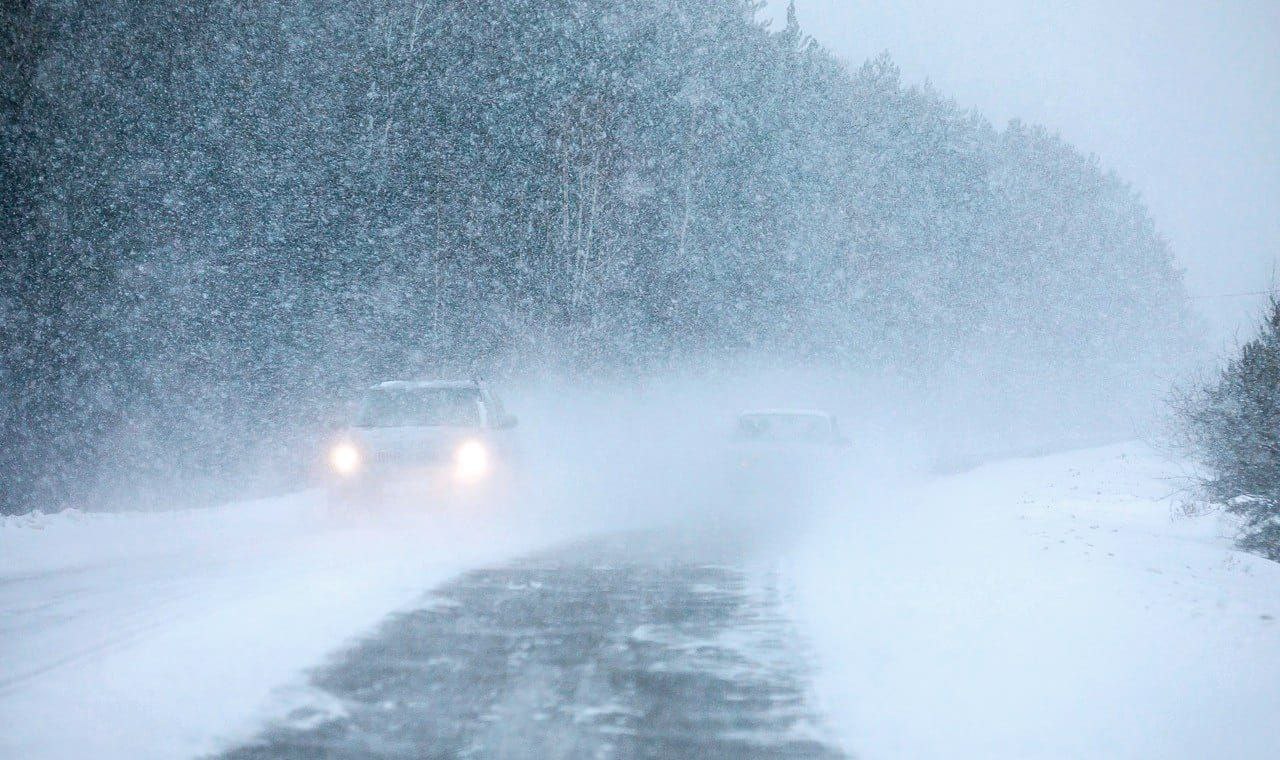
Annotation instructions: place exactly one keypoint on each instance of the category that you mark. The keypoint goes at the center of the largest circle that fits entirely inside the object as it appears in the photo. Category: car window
(784, 427)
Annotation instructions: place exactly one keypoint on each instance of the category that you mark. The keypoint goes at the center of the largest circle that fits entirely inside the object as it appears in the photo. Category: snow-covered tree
(1233, 427)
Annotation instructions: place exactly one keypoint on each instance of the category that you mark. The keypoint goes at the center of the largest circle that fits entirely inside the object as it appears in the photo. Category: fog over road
(634, 645)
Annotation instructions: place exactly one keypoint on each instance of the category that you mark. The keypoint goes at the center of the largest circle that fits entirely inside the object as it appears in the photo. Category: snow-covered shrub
(1232, 425)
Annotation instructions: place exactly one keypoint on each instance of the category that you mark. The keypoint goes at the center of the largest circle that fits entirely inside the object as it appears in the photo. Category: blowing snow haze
(224, 220)
(606, 379)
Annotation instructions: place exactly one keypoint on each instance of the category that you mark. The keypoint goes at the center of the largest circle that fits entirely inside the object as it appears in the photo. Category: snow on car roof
(784, 413)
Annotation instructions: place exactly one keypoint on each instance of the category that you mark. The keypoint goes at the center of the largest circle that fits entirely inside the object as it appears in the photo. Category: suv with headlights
(421, 440)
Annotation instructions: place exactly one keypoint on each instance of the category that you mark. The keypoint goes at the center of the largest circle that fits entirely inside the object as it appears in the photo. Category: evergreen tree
(1233, 426)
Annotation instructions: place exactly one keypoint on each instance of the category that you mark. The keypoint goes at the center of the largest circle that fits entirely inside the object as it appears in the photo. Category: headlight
(344, 458)
(471, 461)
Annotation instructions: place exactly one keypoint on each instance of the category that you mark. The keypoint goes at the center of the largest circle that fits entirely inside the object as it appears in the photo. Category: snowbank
(1051, 607)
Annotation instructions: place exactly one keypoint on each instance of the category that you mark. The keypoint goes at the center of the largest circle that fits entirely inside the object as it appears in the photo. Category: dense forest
(221, 217)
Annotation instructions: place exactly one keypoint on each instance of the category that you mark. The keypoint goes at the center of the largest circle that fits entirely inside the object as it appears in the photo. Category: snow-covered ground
(1052, 607)
(1049, 607)
(162, 635)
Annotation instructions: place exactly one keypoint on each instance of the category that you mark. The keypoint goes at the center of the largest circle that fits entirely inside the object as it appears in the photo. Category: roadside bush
(1232, 425)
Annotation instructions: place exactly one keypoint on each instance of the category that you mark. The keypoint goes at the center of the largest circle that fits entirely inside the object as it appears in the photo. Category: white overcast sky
(1180, 97)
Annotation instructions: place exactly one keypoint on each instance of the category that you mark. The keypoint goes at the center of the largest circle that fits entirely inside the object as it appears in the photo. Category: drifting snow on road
(141, 635)
(627, 648)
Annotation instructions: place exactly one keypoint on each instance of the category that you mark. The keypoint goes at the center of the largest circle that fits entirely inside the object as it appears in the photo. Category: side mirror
(507, 422)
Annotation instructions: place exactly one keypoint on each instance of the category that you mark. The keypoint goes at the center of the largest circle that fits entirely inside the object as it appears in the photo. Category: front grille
(409, 457)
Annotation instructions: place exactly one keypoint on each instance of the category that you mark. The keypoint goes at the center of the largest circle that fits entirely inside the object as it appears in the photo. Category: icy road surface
(632, 647)
(1036, 608)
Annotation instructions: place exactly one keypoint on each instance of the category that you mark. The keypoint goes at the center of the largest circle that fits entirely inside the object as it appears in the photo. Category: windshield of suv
(420, 407)
(784, 427)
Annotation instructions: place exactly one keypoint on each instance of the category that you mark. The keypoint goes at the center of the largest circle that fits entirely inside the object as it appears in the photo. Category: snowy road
(633, 647)
(1046, 608)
